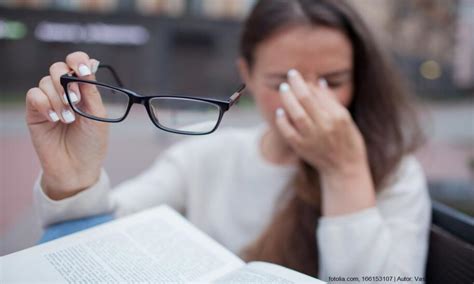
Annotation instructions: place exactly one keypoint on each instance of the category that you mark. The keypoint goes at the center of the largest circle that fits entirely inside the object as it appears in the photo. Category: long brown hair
(379, 108)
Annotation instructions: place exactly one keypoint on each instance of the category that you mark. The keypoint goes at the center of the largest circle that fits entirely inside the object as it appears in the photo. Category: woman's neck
(275, 150)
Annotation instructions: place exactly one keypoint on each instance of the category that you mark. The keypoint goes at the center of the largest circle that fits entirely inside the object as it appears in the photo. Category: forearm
(54, 193)
(347, 190)
(367, 244)
(391, 238)
(91, 201)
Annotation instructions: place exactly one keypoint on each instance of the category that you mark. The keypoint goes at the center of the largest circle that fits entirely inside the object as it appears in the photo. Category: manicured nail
(53, 115)
(95, 66)
(284, 88)
(74, 98)
(84, 70)
(68, 116)
(280, 112)
(292, 73)
(323, 83)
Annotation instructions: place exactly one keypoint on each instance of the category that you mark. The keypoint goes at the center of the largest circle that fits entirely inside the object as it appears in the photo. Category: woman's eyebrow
(279, 76)
(337, 73)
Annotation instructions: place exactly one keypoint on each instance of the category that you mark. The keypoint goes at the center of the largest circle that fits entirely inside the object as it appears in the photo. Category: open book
(156, 245)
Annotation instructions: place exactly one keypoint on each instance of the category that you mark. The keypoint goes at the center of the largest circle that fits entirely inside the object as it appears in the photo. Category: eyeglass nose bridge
(137, 99)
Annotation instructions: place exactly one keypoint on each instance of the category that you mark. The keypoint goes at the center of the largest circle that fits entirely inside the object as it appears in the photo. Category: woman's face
(315, 52)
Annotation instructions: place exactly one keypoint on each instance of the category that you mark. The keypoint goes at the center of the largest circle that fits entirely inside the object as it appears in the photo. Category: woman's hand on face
(318, 128)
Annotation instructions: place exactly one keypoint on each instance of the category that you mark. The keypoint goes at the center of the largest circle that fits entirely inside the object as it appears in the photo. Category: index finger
(304, 94)
(56, 71)
(79, 62)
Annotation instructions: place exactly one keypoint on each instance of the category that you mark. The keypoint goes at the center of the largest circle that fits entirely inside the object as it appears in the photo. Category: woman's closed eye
(334, 84)
(338, 79)
(275, 86)
(273, 80)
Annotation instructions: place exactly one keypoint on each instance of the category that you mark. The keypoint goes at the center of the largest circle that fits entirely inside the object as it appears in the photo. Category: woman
(327, 186)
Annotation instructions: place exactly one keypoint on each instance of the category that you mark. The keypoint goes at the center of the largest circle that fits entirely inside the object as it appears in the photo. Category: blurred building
(206, 8)
(464, 49)
(432, 41)
(166, 46)
(190, 46)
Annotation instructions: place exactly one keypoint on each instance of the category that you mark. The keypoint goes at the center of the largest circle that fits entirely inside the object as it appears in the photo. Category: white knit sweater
(222, 184)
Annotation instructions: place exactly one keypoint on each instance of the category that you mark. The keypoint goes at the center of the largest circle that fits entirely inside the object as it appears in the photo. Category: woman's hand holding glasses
(67, 111)
(71, 148)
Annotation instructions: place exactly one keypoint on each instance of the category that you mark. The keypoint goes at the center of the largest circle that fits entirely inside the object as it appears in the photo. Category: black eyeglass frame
(134, 98)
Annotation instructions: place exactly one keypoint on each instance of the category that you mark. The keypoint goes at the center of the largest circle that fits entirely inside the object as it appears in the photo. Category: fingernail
(292, 72)
(53, 115)
(323, 83)
(72, 96)
(284, 88)
(68, 116)
(280, 112)
(95, 66)
(84, 70)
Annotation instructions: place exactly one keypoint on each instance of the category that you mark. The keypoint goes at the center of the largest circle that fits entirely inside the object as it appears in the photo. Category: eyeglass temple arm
(114, 74)
(110, 68)
(235, 97)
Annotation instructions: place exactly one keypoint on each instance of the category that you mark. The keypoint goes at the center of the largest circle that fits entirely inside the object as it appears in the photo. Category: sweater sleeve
(389, 240)
(163, 182)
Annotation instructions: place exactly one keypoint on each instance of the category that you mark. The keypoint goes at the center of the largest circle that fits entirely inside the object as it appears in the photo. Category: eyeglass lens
(98, 101)
(175, 114)
(185, 115)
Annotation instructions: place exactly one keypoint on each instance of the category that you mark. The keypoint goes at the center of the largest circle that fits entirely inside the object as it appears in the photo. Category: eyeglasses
(112, 103)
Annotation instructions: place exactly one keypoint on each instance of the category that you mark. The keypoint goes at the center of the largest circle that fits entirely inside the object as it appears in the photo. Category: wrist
(347, 190)
(349, 177)
(346, 170)
(57, 189)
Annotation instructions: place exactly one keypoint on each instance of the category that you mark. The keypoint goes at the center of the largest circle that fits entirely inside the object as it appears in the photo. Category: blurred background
(190, 47)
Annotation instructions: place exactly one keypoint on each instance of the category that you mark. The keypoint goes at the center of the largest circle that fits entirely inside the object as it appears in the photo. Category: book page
(263, 272)
(156, 245)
